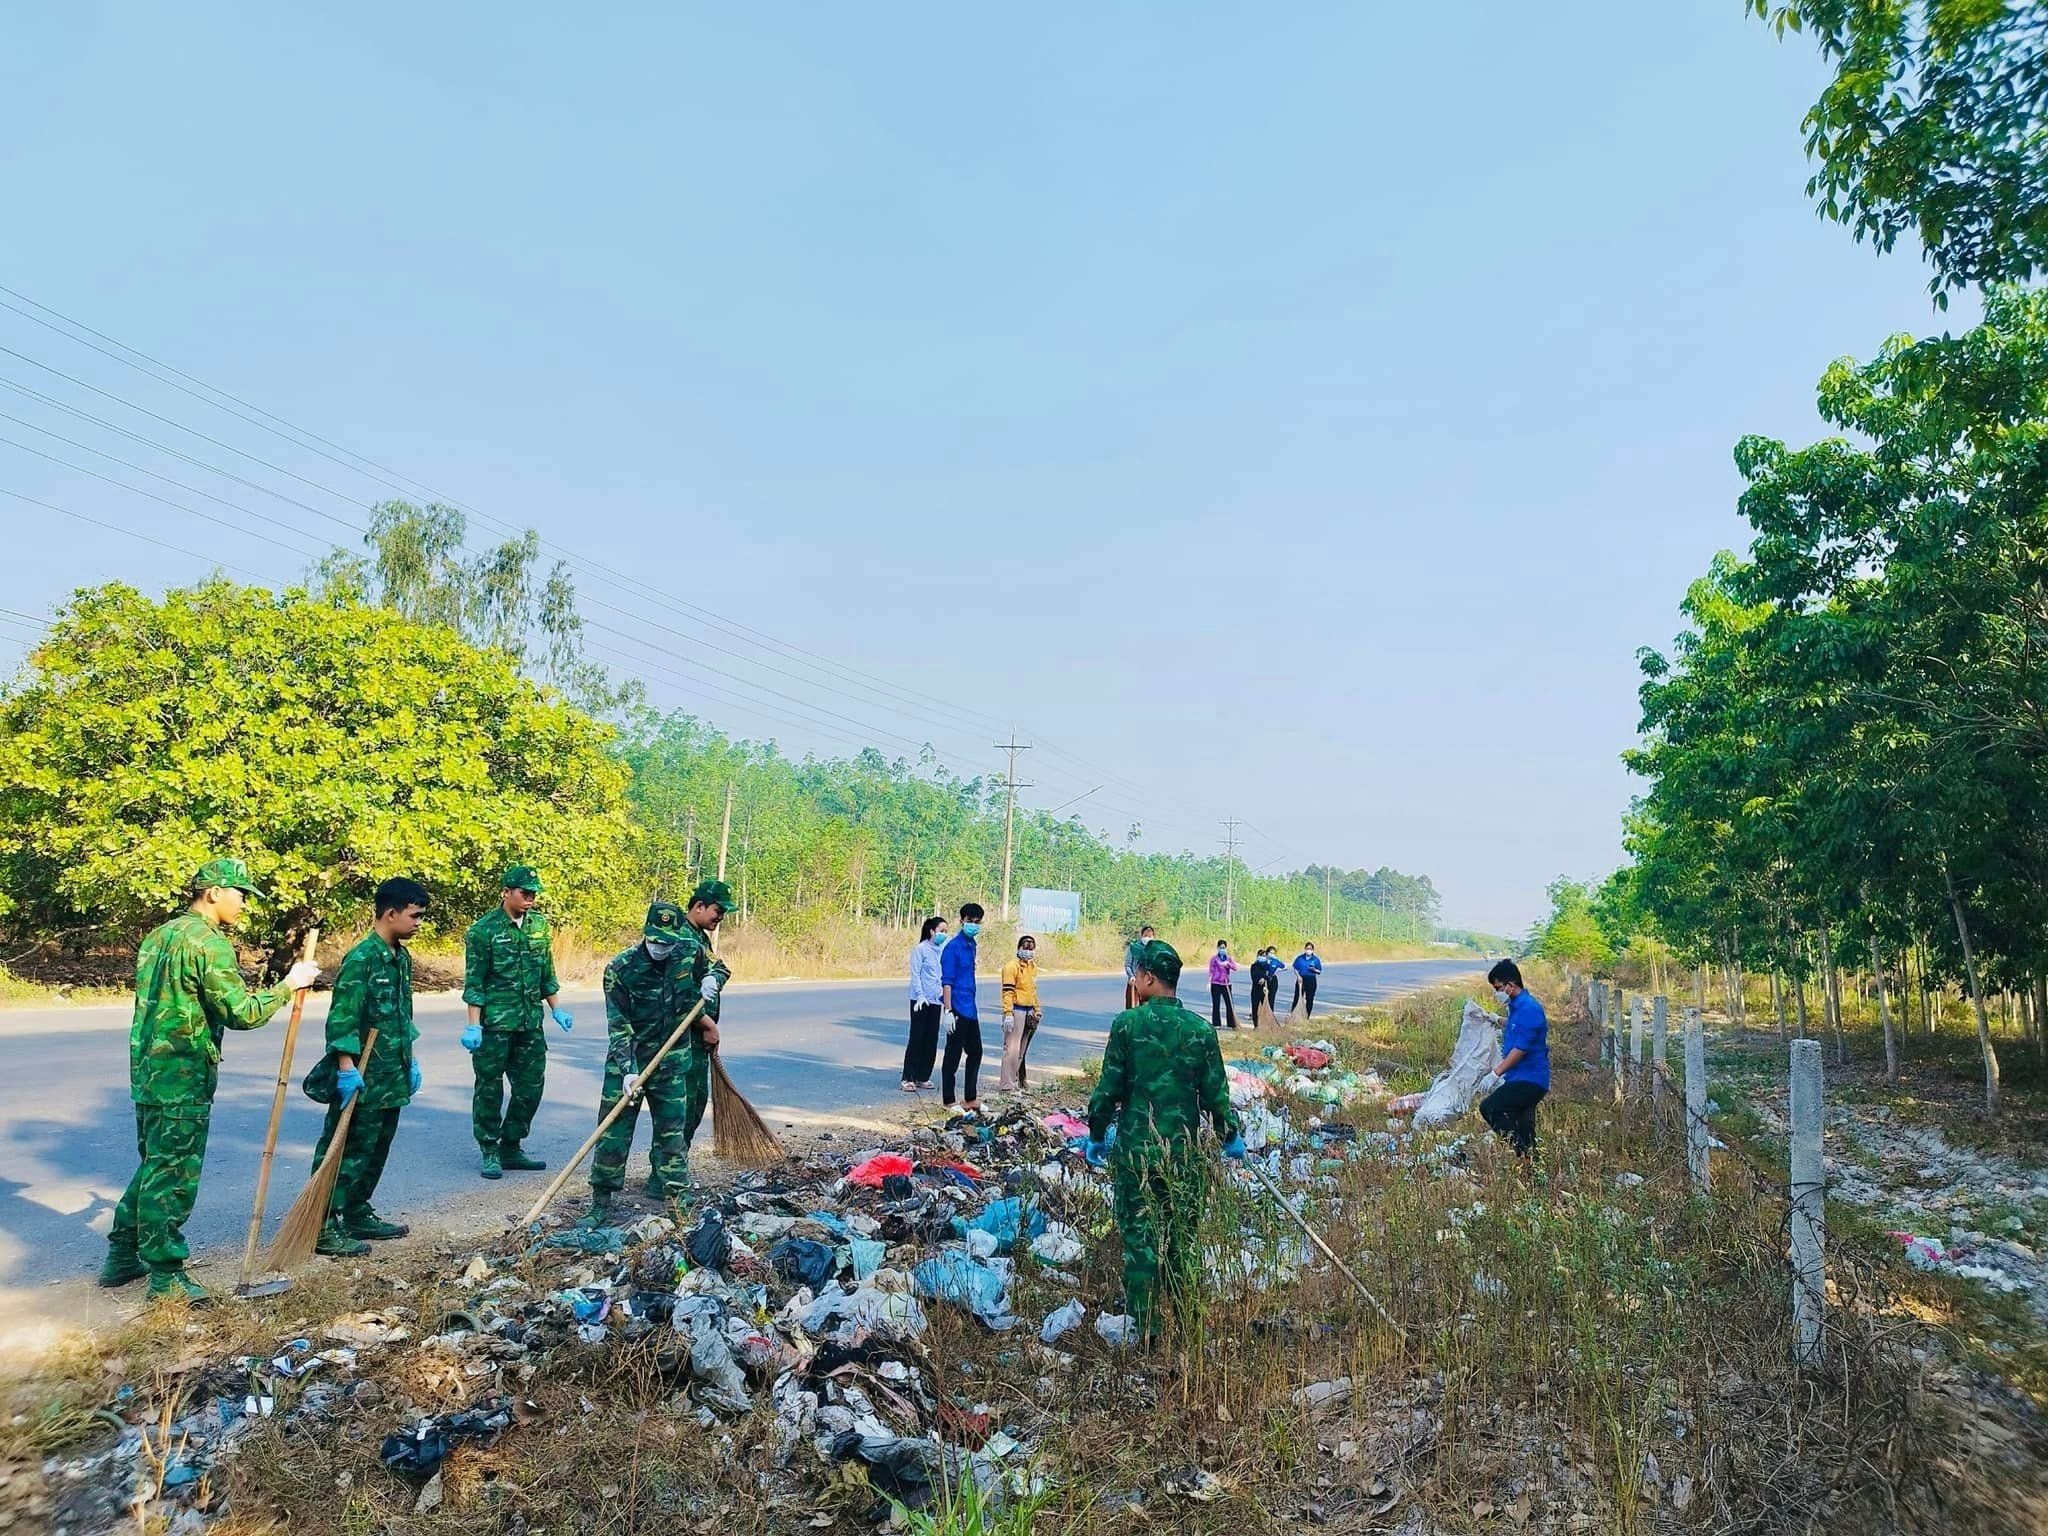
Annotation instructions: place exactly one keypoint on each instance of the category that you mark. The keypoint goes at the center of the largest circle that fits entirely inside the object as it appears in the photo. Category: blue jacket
(1527, 1028)
(1308, 963)
(956, 970)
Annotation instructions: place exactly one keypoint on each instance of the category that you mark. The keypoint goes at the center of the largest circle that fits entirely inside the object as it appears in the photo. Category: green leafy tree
(1935, 123)
(328, 743)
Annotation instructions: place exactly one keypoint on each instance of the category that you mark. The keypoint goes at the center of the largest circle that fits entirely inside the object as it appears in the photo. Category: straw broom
(271, 1285)
(737, 1129)
(294, 1242)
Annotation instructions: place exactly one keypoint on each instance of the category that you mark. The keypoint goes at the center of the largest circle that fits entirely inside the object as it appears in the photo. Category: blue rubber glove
(348, 1082)
(415, 1077)
(1234, 1149)
(1097, 1152)
(562, 1018)
(472, 1037)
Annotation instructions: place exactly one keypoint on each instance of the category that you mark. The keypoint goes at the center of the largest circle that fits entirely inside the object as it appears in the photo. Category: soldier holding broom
(372, 992)
(189, 992)
(648, 990)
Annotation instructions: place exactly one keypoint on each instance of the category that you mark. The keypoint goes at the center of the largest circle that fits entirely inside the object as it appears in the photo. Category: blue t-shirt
(1527, 1029)
(1308, 963)
(956, 970)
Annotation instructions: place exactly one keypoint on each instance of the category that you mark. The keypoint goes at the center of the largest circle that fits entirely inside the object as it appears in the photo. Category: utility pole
(1230, 826)
(725, 833)
(690, 847)
(1326, 901)
(1013, 747)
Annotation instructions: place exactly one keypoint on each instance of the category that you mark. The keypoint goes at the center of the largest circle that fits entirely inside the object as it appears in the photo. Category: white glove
(714, 983)
(632, 1087)
(302, 975)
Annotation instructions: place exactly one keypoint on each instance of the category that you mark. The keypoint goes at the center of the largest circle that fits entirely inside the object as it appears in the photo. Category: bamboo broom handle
(284, 1073)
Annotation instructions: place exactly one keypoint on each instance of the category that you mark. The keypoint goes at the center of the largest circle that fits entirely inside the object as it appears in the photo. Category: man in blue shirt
(956, 996)
(1308, 966)
(1523, 1076)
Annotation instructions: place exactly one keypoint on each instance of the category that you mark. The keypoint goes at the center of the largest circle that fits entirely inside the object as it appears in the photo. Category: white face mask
(1027, 954)
(1500, 994)
(661, 949)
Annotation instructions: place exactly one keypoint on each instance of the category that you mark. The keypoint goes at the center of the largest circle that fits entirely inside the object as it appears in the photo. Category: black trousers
(963, 1044)
(1220, 1003)
(1303, 985)
(924, 1043)
(1511, 1110)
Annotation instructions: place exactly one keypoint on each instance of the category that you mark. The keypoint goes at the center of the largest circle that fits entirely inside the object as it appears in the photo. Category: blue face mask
(970, 929)
(939, 937)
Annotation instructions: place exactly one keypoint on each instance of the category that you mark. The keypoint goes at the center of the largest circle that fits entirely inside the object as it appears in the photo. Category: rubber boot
(335, 1242)
(176, 1285)
(121, 1268)
(492, 1169)
(600, 1212)
(510, 1156)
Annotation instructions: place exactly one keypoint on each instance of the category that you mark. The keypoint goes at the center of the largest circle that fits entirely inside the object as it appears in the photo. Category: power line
(50, 506)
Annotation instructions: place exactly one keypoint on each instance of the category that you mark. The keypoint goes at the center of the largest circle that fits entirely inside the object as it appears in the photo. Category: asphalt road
(809, 1055)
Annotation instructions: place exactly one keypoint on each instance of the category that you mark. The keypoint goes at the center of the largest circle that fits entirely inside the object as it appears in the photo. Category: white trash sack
(1477, 1050)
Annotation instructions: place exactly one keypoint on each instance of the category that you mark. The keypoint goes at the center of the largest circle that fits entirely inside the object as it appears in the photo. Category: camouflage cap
(521, 877)
(664, 921)
(713, 891)
(232, 874)
(1158, 958)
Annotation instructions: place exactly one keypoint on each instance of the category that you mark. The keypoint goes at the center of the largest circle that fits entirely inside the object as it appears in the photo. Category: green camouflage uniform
(509, 972)
(1161, 1071)
(644, 1000)
(188, 992)
(372, 990)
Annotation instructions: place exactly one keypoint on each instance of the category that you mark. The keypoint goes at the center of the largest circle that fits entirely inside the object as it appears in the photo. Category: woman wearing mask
(924, 1006)
(1220, 968)
(1020, 1012)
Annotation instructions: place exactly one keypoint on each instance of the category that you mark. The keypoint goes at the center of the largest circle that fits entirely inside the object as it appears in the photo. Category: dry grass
(1574, 1350)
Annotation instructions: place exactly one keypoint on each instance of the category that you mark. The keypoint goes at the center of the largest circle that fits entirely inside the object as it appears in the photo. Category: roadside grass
(1578, 1352)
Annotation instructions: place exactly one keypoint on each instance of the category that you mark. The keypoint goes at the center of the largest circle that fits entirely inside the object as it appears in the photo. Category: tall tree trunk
(1799, 979)
(1955, 902)
(1884, 1010)
(1778, 1002)
(2041, 1018)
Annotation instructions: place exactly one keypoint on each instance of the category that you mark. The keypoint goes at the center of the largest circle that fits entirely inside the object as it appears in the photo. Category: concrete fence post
(1660, 1027)
(1596, 1009)
(1635, 1045)
(1809, 1204)
(1696, 1134)
(1614, 1029)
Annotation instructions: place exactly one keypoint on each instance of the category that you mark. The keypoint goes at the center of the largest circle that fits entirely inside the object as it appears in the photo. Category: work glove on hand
(1234, 1148)
(348, 1082)
(1097, 1152)
(631, 1087)
(472, 1037)
(415, 1076)
(565, 1020)
(302, 975)
(714, 983)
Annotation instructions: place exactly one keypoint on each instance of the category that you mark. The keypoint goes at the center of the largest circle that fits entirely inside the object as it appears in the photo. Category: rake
(1316, 1237)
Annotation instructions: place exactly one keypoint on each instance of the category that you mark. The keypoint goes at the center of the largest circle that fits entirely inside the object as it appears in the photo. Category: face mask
(939, 937)
(1500, 994)
(1221, 950)
(1027, 954)
(661, 949)
(970, 929)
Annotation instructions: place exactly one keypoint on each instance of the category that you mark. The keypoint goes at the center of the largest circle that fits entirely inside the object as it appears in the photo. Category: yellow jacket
(1020, 984)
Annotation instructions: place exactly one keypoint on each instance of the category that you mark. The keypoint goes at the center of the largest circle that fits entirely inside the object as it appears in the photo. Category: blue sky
(1296, 413)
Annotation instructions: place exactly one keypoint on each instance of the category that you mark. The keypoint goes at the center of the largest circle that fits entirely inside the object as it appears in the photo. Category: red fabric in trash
(875, 1169)
(1308, 1058)
(954, 1165)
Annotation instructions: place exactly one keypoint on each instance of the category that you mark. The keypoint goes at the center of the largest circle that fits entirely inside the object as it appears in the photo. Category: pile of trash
(804, 1293)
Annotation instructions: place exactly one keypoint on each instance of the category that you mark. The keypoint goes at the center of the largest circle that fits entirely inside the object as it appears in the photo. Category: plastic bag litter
(1004, 1220)
(418, 1453)
(907, 1470)
(893, 1311)
(1061, 1320)
(1062, 1124)
(1057, 1244)
(803, 1262)
(709, 1245)
(867, 1256)
(1477, 1050)
(1119, 1331)
(1310, 1058)
(883, 1166)
(982, 1245)
(979, 1285)
(587, 1239)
